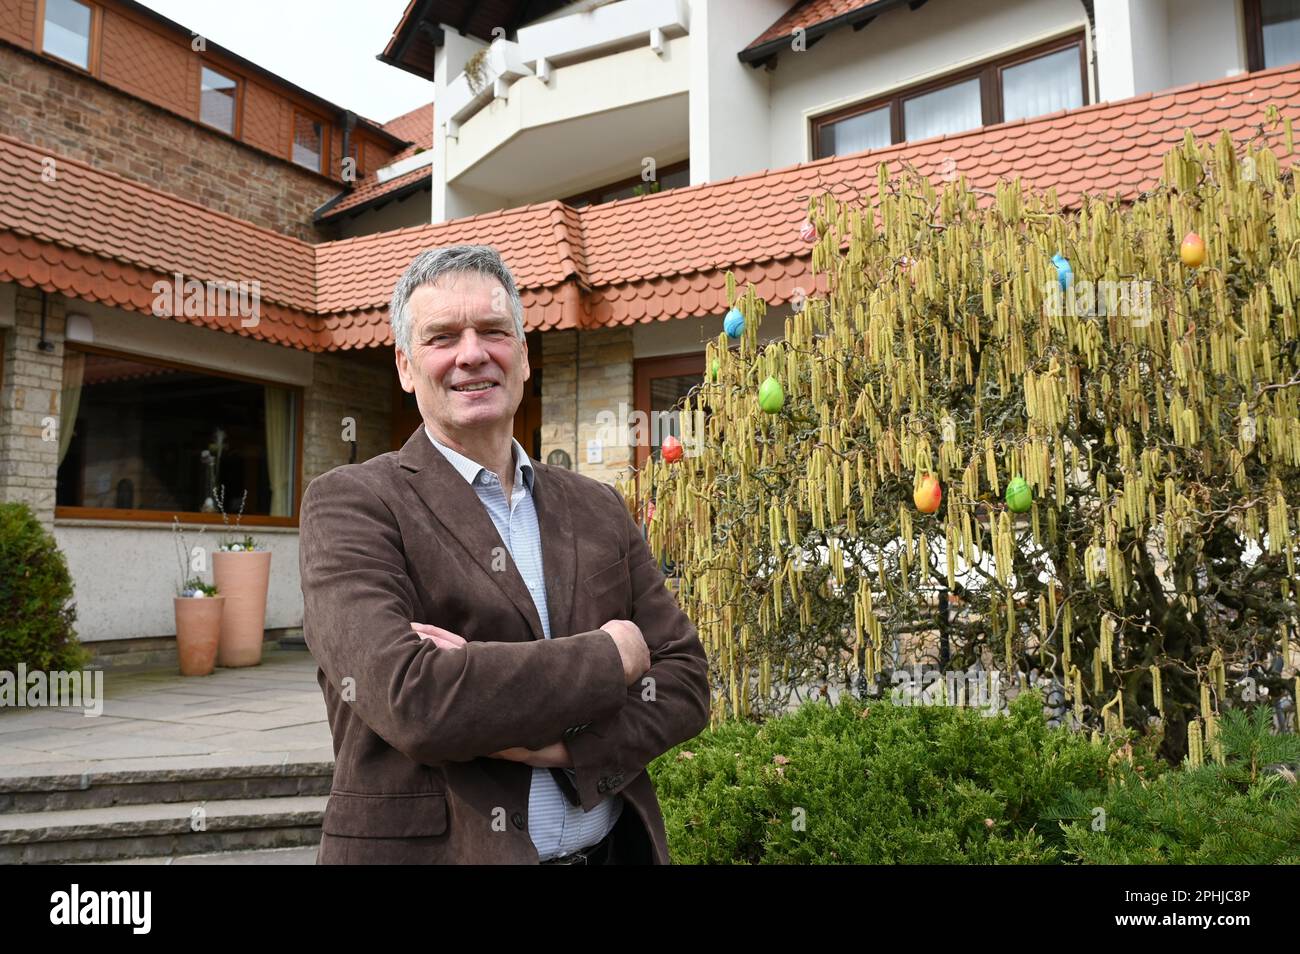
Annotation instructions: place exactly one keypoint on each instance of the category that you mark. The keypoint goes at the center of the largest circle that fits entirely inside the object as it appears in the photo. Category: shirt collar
(470, 469)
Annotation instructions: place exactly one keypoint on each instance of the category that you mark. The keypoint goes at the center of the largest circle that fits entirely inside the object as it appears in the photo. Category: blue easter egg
(734, 323)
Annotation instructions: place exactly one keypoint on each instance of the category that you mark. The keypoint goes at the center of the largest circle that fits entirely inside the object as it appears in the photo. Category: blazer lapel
(457, 507)
(559, 547)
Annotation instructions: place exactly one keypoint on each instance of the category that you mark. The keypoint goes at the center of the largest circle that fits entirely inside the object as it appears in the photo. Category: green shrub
(878, 784)
(1244, 811)
(36, 614)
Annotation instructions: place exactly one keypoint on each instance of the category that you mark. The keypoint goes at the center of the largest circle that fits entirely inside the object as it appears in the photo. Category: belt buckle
(578, 857)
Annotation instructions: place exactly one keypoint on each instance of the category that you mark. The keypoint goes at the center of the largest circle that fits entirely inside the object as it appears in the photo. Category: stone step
(23, 793)
(257, 856)
(158, 829)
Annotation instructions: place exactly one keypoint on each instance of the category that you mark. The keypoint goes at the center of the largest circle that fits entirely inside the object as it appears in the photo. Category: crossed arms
(437, 703)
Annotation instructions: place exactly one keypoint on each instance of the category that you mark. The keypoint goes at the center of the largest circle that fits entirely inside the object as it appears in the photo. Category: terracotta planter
(242, 578)
(198, 630)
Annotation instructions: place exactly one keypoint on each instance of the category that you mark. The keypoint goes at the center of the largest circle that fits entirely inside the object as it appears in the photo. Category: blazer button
(518, 819)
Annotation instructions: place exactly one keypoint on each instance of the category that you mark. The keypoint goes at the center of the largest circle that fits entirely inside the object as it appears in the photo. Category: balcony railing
(553, 43)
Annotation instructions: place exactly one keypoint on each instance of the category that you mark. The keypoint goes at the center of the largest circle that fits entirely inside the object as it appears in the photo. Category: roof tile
(103, 238)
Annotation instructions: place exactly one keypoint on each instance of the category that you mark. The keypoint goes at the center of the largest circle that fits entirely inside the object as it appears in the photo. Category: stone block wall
(30, 384)
(587, 372)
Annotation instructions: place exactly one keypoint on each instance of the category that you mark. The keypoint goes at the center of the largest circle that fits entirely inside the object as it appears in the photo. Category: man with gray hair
(499, 654)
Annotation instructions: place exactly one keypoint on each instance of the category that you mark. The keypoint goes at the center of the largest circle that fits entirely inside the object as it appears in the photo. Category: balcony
(577, 100)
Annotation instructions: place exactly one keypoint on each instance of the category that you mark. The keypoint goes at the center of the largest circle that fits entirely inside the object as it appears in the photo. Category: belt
(597, 854)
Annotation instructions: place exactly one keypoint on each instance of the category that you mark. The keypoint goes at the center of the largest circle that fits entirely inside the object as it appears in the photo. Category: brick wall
(596, 373)
(346, 384)
(30, 384)
(56, 108)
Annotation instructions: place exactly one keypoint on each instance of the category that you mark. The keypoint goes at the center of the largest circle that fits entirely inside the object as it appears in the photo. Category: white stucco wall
(1145, 46)
(446, 202)
(1207, 41)
(412, 210)
(657, 339)
(730, 116)
(125, 575)
(168, 340)
(899, 48)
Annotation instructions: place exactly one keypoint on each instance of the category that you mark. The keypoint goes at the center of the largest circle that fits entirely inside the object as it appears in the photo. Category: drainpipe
(349, 120)
(1089, 9)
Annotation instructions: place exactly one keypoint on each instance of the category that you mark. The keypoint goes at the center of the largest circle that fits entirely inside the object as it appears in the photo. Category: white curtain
(74, 372)
(856, 133)
(1042, 86)
(279, 449)
(952, 109)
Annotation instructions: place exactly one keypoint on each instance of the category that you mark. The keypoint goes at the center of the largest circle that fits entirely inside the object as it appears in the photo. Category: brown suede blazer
(403, 537)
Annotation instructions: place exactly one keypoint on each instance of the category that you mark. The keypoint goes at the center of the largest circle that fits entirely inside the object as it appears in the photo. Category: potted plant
(242, 569)
(198, 610)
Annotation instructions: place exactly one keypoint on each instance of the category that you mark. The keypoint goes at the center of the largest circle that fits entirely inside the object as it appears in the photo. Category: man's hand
(555, 755)
(442, 638)
(632, 648)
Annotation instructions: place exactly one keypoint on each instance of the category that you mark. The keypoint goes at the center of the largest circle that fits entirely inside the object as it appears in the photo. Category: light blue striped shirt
(556, 827)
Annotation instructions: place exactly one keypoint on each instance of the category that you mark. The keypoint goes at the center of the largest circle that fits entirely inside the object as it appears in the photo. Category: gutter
(756, 56)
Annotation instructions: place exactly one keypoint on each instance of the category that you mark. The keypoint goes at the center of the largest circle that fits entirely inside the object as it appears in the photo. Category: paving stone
(125, 747)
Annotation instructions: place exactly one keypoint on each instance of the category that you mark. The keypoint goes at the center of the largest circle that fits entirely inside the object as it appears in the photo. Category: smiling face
(462, 333)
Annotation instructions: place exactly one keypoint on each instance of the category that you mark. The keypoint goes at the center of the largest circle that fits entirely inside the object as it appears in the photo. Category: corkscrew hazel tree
(1154, 571)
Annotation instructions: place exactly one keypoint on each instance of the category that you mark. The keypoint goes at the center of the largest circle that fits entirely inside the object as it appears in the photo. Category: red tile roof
(806, 14)
(370, 191)
(414, 128)
(93, 235)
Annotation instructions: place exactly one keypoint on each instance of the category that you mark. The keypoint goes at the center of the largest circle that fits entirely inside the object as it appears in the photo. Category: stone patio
(250, 744)
(158, 718)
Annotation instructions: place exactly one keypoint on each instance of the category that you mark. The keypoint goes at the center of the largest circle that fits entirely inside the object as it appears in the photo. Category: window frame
(92, 48)
(645, 370)
(592, 194)
(237, 131)
(62, 512)
(989, 73)
(1253, 13)
(324, 139)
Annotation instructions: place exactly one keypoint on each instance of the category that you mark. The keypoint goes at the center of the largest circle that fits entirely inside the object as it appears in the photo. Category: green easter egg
(1019, 497)
(770, 396)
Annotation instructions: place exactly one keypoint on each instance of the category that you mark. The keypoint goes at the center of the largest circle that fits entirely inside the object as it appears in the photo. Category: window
(1272, 33)
(869, 130)
(218, 96)
(308, 141)
(952, 109)
(65, 32)
(1030, 83)
(659, 385)
(1042, 85)
(144, 440)
(674, 176)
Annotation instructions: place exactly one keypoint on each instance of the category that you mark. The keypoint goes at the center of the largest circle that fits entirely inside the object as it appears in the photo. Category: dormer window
(66, 31)
(218, 97)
